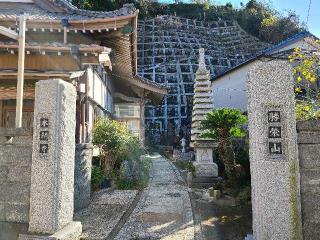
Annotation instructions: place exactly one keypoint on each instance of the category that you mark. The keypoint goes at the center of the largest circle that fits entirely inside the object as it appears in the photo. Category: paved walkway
(164, 210)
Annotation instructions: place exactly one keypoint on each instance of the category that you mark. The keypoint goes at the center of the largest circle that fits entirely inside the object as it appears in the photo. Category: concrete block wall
(168, 51)
(15, 174)
(309, 160)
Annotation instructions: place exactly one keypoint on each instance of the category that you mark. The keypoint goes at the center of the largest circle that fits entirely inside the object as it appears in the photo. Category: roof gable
(268, 51)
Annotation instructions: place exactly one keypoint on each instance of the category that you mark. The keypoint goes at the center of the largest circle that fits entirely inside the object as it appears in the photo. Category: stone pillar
(52, 174)
(202, 104)
(309, 158)
(82, 175)
(273, 152)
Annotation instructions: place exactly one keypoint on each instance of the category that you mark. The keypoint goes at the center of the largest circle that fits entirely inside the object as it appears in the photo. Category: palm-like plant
(223, 125)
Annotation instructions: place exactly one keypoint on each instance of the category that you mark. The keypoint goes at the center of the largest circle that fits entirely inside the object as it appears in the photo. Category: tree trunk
(107, 163)
(226, 154)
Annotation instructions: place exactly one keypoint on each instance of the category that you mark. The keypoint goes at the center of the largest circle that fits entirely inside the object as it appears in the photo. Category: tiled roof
(11, 10)
(267, 51)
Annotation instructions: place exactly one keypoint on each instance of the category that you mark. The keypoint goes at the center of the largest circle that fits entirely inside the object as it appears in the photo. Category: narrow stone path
(164, 210)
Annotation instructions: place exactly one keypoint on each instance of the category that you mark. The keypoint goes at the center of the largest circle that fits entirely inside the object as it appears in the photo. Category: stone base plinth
(70, 232)
(206, 169)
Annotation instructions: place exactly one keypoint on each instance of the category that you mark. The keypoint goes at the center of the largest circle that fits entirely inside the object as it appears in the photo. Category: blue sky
(298, 6)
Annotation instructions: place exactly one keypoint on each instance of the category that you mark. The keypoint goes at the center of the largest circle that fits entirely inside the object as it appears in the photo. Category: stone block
(309, 155)
(3, 173)
(206, 169)
(308, 126)
(82, 176)
(2, 212)
(310, 180)
(19, 174)
(15, 155)
(70, 232)
(311, 215)
(309, 137)
(16, 212)
(14, 192)
(204, 165)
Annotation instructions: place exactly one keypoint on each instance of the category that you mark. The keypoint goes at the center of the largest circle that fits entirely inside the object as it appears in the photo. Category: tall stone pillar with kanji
(52, 169)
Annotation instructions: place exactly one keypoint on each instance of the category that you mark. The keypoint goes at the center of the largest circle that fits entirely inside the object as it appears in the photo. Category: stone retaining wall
(15, 174)
(309, 159)
(82, 176)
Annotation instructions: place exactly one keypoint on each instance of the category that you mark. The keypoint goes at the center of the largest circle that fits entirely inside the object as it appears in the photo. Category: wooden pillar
(65, 34)
(1, 113)
(22, 37)
(142, 123)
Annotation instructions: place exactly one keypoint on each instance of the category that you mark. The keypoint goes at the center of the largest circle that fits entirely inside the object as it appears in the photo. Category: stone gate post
(52, 170)
(274, 152)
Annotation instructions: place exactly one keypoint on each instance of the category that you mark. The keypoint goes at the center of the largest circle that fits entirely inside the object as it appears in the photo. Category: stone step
(207, 179)
(205, 182)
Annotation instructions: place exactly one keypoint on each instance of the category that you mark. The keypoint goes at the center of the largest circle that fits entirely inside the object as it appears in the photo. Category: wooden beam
(1, 109)
(21, 58)
(8, 33)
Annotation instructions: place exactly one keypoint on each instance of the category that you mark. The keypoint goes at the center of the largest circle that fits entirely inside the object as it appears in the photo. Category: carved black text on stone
(44, 135)
(44, 122)
(274, 132)
(275, 147)
(44, 148)
(274, 116)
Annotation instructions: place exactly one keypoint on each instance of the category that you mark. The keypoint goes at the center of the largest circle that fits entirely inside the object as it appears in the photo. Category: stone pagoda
(203, 98)
(206, 169)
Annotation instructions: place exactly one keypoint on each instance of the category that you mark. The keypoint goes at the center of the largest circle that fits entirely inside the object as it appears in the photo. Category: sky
(299, 6)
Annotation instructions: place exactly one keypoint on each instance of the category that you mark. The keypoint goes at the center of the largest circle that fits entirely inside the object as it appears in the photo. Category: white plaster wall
(229, 91)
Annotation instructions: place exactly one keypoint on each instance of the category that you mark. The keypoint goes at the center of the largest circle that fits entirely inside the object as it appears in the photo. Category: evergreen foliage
(223, 125)
(257, 18)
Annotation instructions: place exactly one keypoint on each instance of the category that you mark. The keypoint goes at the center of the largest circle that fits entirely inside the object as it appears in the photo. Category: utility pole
(21, 58)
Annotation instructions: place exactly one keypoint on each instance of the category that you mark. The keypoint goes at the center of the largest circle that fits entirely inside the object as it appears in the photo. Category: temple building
(96, 51)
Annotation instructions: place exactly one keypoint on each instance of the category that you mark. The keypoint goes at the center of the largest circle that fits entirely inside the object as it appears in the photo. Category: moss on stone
(294, 205)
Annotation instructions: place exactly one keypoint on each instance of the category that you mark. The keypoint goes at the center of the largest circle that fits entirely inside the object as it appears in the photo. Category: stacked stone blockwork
(15, 175)
(168, 54)
(309, 161)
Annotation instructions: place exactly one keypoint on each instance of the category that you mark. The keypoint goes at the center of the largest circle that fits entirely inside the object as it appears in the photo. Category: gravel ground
(104, 212)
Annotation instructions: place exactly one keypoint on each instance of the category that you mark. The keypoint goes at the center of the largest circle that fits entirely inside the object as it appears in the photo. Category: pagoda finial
(202, 63)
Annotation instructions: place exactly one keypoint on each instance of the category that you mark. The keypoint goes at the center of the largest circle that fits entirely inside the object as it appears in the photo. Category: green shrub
(133, 174)
(191, 168)
(96, 177)
(116, 144)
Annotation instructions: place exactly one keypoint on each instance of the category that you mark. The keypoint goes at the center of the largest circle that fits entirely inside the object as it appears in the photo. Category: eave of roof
(54, 46)
(267, 51)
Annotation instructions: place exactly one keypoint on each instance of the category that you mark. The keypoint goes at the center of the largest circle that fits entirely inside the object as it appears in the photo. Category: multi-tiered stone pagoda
(203, 98)
(206, 169)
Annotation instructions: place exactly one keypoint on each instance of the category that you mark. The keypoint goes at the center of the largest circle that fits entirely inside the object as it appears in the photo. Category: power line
(308, 12)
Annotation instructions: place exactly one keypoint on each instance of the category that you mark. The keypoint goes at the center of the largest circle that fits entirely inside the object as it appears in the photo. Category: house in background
(96, 51)
(230, 87)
